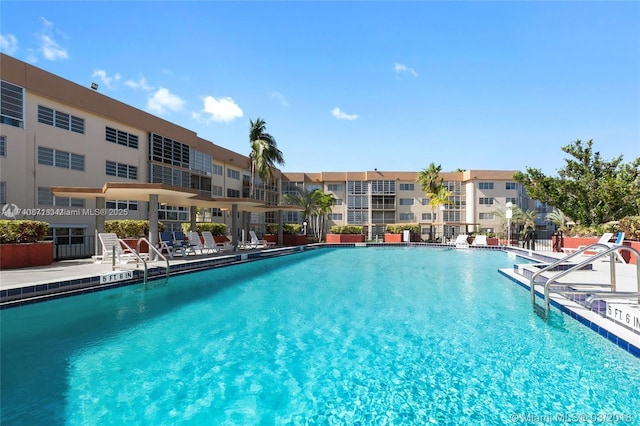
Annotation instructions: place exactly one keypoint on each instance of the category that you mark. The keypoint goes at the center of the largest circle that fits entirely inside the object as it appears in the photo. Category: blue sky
(359, 85)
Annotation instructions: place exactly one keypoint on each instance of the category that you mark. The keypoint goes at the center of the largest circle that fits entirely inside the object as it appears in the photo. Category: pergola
(158, 193)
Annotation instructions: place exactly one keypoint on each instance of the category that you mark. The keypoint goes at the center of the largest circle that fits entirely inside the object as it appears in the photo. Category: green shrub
(287, 228)
(215, 228)
(399, 228)
(22, 231)
(630, 225)
(128, 228)
(345, 229)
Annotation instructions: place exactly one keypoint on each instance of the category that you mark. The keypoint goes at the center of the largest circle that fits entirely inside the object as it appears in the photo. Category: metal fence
(73, 247)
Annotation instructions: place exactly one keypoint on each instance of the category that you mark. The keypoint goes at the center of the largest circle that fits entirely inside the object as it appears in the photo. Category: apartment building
(375, 199)
(55, 133)
(58, 133)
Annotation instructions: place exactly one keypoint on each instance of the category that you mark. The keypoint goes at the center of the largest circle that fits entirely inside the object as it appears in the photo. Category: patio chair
(180, 240)
(479, 240)
(604, 239)
(258, 243)
(461, 241)
(167, 243)
(124, 255)
(225, 245)
(196, 243)
(210, 242)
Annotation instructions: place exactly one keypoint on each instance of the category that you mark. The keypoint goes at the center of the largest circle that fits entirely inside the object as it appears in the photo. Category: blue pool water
(334, 336)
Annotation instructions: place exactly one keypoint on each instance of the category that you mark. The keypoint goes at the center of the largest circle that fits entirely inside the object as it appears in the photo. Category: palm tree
(264, 155)
(432, 185)
(316, 205)
(558, 218)
(324, 204)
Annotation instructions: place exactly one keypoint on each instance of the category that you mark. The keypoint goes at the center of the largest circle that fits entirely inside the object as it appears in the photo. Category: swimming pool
(332, 336)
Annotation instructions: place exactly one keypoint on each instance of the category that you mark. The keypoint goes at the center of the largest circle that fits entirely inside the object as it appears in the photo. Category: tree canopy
(265, 154)
(588, 189)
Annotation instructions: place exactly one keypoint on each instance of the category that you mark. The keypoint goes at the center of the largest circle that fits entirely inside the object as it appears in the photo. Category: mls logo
(10, 210)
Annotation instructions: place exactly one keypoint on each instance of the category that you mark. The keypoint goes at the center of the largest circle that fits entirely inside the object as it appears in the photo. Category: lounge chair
(210, 242)
(258, 242)
(167, 243)
(461, 241)
(122, 254)
(225, 245)
(479, 240)
(180, 240)
(196, 243)
(603, 241)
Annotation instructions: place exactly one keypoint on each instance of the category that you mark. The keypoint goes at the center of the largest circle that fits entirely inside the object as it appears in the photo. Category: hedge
(345, 229)
(398, 228)
(215, 228)
(22, 231)
(287, 228)
(129, 228)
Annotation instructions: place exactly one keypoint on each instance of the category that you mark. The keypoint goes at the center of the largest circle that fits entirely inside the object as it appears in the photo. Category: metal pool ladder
(543, 311)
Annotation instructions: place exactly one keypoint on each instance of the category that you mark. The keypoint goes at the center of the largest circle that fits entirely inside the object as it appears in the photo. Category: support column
(100, 218)
(153, 224)
(280, 228)
(234, 226)
(193, 212)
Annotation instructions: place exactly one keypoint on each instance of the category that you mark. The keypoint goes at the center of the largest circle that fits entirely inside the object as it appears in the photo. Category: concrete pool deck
(29, 285)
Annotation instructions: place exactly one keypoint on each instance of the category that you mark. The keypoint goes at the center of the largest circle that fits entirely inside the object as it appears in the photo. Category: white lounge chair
(195, 242)
(210, 242)
(258, 242)
(123, 255)
(604, 239)
(479, 240)
(461, 241)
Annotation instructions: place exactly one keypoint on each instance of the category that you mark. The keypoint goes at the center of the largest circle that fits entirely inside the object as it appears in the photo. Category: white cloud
(402, 68)
(50, 48)
(220, 110)
(162, 100)
(280, 98)
(8, 44)
(104, 78)
(341, 115)
(140, 84)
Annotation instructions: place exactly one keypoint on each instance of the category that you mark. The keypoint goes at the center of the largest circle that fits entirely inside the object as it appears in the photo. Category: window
(121, 205)
(510, 185)
(121, 138)
(407, 216)
(486, 200)
(216, 191)
(356, 187)
(428, 216)
(60, 119)
(485, 185)
(406, 201)
(407, 186)
(3, 192)
(233, 193)
(358, 202)
(169, 176)
(217, 169)
(510, 200)
(168, 151)
(3, 146)
(335, 187)
(383, 187)
(121, 170)
(200, 162)
(46, 198)
(338, 202)
(173, 213)
(425, 201)
(486, 216)
(335, 216)
(11, 104)
(233, 174)
(356, 217)
(62, 159)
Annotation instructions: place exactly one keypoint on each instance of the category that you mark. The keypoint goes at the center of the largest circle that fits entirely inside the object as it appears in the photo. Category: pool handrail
(612, 274)
(156, 251)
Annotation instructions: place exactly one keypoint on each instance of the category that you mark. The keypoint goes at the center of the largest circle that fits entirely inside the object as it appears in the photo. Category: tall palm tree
(558, 218)
(264, 155)
(316, 206)
(432, 185)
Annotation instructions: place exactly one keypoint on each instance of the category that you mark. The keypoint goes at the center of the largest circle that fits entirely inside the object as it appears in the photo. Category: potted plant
(290, 234)
(22, 244)
(394, 232)
(345, 234)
